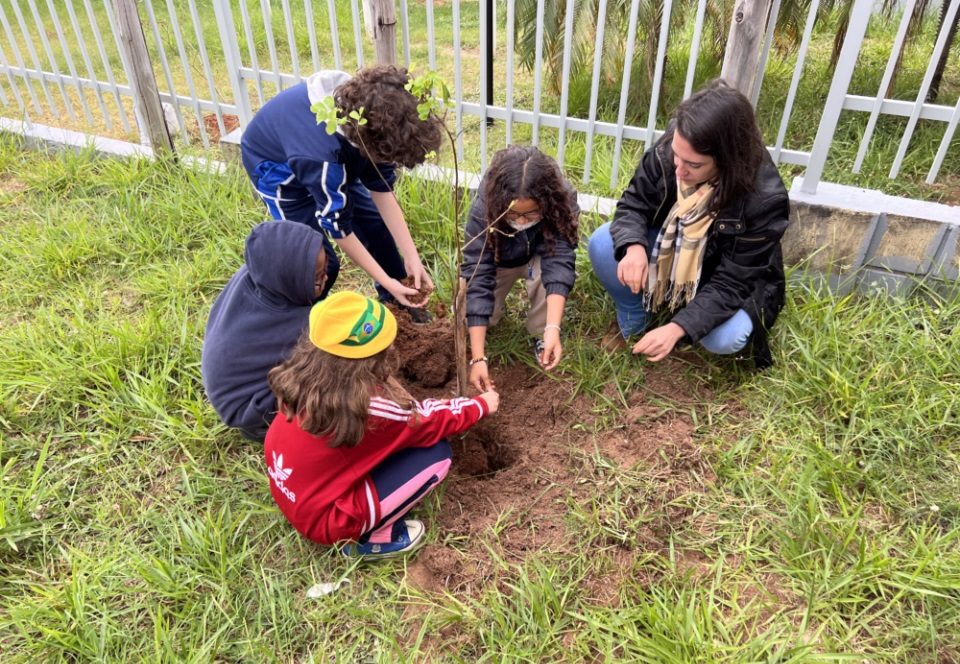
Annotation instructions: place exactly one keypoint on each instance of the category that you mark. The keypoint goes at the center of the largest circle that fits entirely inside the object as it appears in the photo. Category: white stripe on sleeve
(340, 199)
(373, 508)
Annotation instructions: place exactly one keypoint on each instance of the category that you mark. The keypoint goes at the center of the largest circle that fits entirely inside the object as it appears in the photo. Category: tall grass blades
(814, 518)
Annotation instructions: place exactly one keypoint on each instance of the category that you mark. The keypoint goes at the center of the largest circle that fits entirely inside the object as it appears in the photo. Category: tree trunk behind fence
(142, 80)
(934, 90)
(381, 16)
(745, 43)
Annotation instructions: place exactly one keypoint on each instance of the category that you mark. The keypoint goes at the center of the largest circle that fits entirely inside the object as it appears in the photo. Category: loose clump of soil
(422, 294)
(522, 468)
(230, 122)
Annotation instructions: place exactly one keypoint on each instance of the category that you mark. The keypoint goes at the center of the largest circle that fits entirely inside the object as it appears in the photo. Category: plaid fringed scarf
(678, 252)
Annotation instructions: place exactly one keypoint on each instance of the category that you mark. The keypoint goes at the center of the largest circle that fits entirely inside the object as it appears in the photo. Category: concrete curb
(856, 238)
(37, 136)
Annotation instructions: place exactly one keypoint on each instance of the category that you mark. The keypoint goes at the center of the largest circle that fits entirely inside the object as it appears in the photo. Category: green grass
(823, 526)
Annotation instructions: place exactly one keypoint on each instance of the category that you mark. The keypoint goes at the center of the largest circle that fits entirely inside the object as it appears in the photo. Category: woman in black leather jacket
(697, 234)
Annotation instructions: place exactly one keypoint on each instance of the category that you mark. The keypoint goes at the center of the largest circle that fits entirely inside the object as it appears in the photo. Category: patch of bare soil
(212, 127)
(10, 185)
(948, 186)
(515, 474)
(426, 355)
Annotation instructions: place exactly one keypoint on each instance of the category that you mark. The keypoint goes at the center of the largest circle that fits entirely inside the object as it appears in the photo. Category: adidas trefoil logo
(279, 475)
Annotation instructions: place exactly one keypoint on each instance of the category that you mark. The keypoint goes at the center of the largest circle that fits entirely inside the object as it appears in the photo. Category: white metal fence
(62, 64)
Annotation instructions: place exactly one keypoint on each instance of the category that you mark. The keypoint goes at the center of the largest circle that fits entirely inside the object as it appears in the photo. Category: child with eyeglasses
(522, 225)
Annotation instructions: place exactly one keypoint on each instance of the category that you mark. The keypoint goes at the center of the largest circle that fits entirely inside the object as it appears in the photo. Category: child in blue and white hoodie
(342, 183)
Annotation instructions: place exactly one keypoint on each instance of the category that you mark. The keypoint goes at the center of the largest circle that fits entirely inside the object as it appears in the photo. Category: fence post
(745, 43)
(147, 97)
(859, 18)
(382, 28)
(231, 55)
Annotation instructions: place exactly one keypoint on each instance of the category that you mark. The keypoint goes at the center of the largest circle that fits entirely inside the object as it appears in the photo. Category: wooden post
(745, 43)
(381, 18)
(142, 80)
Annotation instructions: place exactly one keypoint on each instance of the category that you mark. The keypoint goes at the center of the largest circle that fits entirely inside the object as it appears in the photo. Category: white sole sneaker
(413, 541)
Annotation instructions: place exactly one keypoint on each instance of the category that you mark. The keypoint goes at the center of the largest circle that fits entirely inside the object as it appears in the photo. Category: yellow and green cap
(347, 324)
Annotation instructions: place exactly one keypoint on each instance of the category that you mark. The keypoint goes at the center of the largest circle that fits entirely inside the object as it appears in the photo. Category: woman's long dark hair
(330, 395)
(719, 122)
(522, 171)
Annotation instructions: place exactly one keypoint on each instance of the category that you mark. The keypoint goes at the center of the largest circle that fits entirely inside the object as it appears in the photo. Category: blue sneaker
(407, 536)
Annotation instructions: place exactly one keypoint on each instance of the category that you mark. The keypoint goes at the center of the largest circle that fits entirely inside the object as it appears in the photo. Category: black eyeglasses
(532, 216)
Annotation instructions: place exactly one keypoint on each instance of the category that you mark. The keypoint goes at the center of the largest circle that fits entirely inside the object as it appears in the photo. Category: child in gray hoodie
(258, 318)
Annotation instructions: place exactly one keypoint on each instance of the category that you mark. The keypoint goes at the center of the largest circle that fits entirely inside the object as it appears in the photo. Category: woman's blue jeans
(727, 338)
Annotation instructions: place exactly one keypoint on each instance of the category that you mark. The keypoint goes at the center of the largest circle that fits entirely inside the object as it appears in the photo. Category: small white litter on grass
(325, 588)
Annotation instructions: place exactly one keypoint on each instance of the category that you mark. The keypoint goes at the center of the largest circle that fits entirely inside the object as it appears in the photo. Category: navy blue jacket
(288, 155)
(256, 321)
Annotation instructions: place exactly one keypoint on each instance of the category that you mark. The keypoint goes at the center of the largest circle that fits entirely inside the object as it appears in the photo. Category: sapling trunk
(458, 283)
(460, 334)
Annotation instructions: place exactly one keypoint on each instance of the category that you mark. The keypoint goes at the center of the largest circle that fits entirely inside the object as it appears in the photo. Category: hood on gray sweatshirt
(257, 319)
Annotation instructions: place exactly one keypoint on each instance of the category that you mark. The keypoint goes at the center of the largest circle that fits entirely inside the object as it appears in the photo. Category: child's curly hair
(330, 395)
(522, 171)
(394, 132)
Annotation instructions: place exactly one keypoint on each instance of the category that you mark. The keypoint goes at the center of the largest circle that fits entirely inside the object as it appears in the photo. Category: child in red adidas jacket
(350, 451)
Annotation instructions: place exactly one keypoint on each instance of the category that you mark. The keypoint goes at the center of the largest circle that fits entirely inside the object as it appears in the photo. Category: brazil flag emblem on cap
(348, 324)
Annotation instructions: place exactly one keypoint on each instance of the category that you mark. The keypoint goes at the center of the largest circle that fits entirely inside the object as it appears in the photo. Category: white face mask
(517, 226)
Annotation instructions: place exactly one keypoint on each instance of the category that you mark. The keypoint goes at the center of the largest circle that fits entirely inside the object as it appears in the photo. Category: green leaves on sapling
(432, 94)
(332, 116)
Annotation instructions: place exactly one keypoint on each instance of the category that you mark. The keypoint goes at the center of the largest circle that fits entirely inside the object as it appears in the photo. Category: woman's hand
(632, 268)
(658, 343)
(480, 377)
(552, 350)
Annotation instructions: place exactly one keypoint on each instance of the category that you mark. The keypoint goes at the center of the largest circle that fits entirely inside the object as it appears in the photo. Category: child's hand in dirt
(552, 350)
(423, 292)
(401, 293)
(480, 377)
(492, 399)
(415, 269)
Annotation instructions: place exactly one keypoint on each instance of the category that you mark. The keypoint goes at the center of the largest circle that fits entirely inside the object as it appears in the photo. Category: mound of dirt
(425, 352)
(516, 473)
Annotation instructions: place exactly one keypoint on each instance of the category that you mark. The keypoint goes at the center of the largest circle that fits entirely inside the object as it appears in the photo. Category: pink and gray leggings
(403, 480)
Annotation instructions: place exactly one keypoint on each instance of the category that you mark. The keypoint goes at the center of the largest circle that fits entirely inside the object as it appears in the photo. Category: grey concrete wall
(867, 251)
